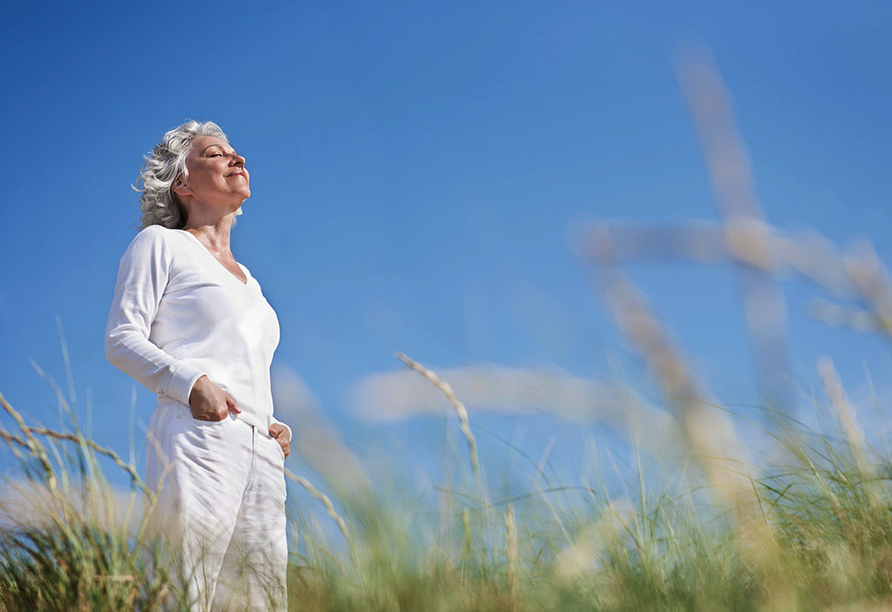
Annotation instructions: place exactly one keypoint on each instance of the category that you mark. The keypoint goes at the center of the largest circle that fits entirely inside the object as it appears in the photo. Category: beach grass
(821, 538)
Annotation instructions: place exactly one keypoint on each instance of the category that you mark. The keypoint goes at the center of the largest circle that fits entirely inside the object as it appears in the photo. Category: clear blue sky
(416, 169)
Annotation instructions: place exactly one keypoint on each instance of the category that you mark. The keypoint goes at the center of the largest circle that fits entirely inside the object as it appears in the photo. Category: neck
(213, 233)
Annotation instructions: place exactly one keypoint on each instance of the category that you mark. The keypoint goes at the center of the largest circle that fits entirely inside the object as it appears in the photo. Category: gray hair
(165, 167)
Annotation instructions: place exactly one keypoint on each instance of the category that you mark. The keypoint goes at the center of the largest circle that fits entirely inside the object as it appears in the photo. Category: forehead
(201, 143)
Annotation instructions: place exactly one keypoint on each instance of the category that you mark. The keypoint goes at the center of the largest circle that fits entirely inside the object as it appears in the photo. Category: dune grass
(820, 539)
(826, 512)
(66, 543)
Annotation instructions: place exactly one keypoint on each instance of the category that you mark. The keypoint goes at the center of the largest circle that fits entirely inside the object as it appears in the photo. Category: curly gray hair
(165, 167)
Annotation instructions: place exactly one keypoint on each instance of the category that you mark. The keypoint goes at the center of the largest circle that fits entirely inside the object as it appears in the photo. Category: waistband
(183, 410)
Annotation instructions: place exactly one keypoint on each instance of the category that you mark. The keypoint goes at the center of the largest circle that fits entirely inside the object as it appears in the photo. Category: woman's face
(217, 174)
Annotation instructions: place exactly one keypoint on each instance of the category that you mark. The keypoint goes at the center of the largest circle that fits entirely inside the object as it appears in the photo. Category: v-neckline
(220, 263)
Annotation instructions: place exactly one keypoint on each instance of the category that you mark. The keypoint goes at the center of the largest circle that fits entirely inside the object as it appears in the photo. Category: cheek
(199, 175)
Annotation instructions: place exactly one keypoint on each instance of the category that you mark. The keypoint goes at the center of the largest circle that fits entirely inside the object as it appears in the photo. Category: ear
(180, 188)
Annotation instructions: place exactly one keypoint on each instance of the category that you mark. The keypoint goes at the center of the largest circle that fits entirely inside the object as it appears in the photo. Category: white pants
(221, 499)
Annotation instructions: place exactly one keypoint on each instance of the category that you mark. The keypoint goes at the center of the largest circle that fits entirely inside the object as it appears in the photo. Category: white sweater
(178, 314)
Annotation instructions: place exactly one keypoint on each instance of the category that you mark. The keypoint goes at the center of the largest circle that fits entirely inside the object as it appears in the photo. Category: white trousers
(221, 500)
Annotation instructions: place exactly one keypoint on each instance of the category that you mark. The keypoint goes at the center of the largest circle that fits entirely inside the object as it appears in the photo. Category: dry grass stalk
(511, 551)
(748, 240)
(747, 235)
(854, 436)
(33, 444)
(709, 432)
(325, 499)
(857, 319)
(467, 536)
(108, 452)
(702, 241)
(8, 437)
(460, 409)
(872, 280)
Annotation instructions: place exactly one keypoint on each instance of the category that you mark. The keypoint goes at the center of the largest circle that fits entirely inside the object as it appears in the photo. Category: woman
(191, 324)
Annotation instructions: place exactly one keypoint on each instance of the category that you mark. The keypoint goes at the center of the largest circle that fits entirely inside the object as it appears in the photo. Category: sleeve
(142, 278)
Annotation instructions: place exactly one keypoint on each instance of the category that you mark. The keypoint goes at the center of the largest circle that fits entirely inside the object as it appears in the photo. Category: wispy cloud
(315, 438)
(395, 396)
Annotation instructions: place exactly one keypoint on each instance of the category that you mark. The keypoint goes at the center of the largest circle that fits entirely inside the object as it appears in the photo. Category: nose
(238, 160)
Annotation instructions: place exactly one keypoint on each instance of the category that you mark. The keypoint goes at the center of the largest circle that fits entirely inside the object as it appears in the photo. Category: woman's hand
(280, 434)
(208, 402)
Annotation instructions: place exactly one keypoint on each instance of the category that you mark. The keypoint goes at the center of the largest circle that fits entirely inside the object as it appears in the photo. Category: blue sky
(417, 169)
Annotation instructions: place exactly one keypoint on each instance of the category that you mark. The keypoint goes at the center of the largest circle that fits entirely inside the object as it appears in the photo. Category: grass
(822, 539)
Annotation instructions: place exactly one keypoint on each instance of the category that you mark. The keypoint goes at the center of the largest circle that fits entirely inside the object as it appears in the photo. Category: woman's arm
(142, 278)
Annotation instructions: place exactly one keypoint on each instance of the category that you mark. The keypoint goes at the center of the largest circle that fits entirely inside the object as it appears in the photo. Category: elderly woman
(190, 323)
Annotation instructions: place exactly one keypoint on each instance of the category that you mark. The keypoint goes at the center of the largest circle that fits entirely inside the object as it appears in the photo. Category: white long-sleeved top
(178, 314)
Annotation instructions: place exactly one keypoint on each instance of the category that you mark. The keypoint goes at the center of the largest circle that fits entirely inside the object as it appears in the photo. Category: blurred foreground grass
(821, 539)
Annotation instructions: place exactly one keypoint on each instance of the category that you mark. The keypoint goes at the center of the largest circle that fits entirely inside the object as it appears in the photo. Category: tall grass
(66, 543)
(827, 508)
(827, 523)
